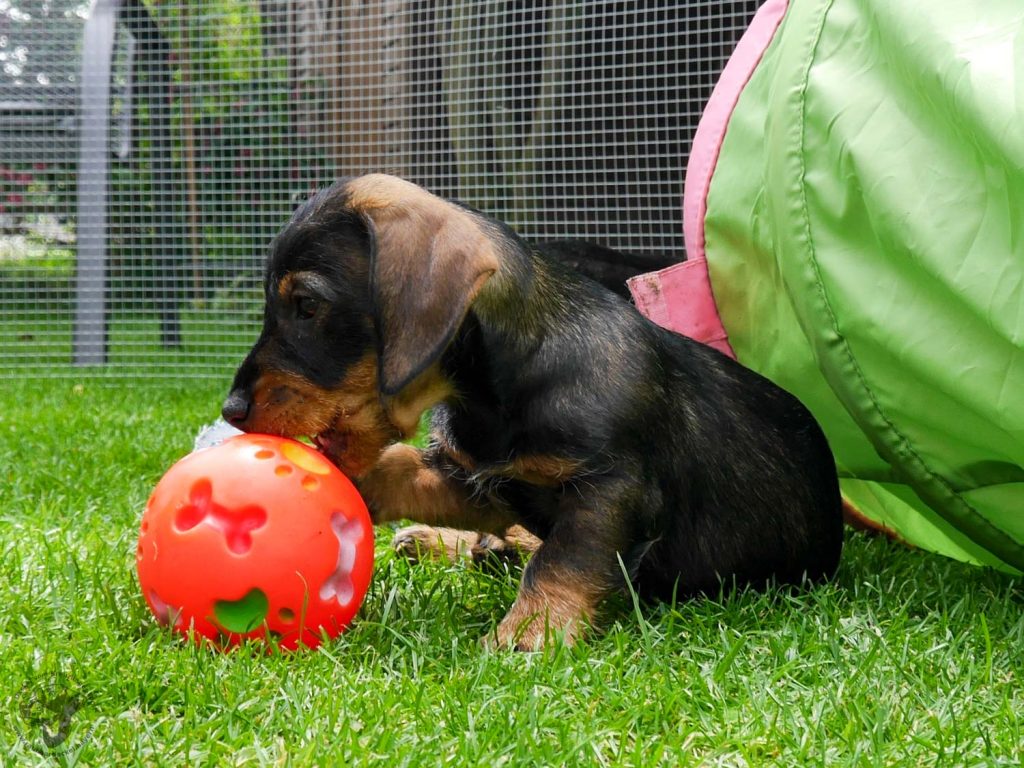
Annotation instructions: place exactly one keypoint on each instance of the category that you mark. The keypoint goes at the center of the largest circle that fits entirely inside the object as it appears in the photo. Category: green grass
(907, 659)
(34, 344)
(37, 315)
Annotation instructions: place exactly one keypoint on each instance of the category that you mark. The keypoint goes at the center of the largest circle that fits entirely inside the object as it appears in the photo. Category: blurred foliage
(206, 161)
(31, 189)
(215, 81)
(40, 52)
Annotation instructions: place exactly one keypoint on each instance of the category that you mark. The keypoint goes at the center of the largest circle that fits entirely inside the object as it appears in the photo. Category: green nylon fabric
(865, 242)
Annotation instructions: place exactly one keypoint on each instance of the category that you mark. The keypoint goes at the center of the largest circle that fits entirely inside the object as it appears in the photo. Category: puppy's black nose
(236, 408)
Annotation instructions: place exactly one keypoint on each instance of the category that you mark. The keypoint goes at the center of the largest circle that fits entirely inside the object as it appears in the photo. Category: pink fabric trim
(680, 297)
(707, 142)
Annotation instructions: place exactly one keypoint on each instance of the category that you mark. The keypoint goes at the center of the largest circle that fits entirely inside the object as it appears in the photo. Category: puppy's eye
(306, 306)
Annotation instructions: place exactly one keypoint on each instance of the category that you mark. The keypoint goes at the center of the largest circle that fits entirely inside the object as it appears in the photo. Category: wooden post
(365, 75)
(153, 86)
(469, 82)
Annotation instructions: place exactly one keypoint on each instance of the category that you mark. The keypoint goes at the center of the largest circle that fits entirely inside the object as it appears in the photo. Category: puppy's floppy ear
(430, 260)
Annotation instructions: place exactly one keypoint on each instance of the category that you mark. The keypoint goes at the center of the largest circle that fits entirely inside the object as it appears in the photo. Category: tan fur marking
(419, 542)
(287, 404)
(425, 391)
(537, 469)
(542, 470)
(285, 286)
(559, 604)
(522, 539)
(376, 191)
(401, 486)
(426, 542)
(314, 406)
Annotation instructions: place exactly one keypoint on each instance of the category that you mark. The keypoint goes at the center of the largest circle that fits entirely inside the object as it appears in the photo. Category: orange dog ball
(258, 537)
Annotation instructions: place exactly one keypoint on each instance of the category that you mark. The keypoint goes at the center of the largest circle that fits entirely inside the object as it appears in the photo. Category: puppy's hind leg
(424, 542)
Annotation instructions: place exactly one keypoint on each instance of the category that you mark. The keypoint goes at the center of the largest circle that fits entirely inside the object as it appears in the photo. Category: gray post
(90, 332)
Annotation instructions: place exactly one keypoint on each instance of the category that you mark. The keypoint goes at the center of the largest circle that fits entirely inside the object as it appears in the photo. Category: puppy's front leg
(409, 484)
(572, 571)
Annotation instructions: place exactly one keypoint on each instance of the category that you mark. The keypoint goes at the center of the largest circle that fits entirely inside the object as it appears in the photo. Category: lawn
(37, 309)
(906, 659)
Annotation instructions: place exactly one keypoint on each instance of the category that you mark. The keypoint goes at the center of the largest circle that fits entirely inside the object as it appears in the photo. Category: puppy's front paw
(425, 542)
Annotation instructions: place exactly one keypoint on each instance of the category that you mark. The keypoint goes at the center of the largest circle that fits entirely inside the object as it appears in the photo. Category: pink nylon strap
(680, 297)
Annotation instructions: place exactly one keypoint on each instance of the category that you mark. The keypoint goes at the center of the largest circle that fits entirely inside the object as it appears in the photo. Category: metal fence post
(89, 345)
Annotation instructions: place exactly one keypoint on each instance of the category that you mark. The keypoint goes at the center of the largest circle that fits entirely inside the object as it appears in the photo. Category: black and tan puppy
(556, 407)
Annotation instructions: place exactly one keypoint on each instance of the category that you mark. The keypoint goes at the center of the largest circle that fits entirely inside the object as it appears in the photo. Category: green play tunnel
(855, 218)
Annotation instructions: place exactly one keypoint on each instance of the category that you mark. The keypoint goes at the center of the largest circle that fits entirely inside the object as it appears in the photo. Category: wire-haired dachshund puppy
(625, 449)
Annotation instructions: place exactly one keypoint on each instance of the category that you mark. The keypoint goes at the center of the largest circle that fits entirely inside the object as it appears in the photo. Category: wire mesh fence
(150, 150)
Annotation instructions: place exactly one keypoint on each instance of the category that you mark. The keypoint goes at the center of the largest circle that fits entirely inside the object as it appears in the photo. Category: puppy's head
(365, 288)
